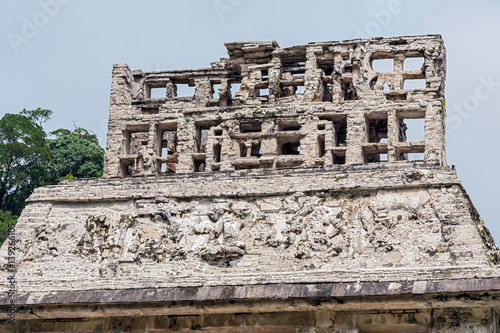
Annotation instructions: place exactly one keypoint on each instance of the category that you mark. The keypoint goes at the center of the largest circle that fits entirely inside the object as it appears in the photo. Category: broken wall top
(322, 105)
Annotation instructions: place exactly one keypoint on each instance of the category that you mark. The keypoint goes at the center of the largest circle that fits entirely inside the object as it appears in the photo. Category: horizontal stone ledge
(255, 183)
(261, 292)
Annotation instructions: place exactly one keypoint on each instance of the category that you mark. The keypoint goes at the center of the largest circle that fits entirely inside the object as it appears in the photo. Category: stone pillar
(313, 83)
(435, 151)
(392, 137)
(120, 104)
(274, 79)
(356, 136)
(186, 145)
(202, 92)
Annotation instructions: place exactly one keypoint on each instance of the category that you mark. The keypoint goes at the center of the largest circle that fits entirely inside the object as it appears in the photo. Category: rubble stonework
(247, 110)
(286, 194)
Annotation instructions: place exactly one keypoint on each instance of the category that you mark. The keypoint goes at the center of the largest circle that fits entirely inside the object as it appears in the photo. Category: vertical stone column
(392, 137)
(202, 92)
(171, 89)
(356, 136)
(330, 134)
(337, 78)
(435, 151)
(309, 143)
(119, 106)
(313, 84)
(268, 146)
(397, 78)
(274, 75)
(150, 155)
(186, 145)
(224, 95)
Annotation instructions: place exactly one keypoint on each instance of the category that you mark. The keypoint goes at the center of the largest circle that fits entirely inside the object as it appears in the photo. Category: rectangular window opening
(376, 157)
(168, 143)
(202, 137)
(294, 69)
(339, 129)
(167, 168)
(291, 90)
(348, 91)
(413, 64)
(199, 165)
(250, 127)
(321, 146)
(327, 92)
(338, 159)
(218, 132)
(340, 132)
(246, 167)
(184, 90)
(243, 150)
(136, 141)
(377, 130)
(411, 130)
(160, 92)
(411, 157)
(150, 109)
(235, 87)
(289, 125)
(217, 153)
(265, 75)
(414, 84)
(262, 92)
(383, 65)
(289, 148)
(327, 68)
(397, 97)
(255, 150)
(215, 90)
(124, 168)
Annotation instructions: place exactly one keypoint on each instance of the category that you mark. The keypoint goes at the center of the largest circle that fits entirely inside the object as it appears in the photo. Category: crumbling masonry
(247, 111)
(299, 189)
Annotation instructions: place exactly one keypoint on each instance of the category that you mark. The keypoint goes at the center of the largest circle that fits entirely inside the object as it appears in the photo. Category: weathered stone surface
(269, 122)
(265, 207)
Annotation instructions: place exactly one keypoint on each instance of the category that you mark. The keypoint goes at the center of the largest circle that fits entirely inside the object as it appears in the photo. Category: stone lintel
(362, 296)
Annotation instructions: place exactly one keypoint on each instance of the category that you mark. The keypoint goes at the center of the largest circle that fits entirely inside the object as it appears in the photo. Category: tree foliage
(24, 157)
(76, 153)
(28, 159)
(7, 221)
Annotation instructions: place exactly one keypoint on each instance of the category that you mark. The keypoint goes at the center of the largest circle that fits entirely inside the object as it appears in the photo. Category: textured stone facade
(266, 208)
(341, 116)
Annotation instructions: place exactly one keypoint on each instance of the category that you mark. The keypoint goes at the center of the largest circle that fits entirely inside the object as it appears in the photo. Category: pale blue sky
(65, 63)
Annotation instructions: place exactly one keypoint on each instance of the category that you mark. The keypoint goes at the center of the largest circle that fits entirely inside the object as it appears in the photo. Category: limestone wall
(290, 191)
(107, 241)
(247, 111)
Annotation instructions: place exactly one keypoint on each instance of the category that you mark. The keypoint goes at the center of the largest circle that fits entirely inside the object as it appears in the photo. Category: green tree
(76, 153)
(28, 159)
(6, 221)
(24, 157)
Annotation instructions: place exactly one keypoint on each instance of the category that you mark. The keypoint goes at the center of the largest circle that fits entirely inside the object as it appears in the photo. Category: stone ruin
(317, 105)
(298, 189)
